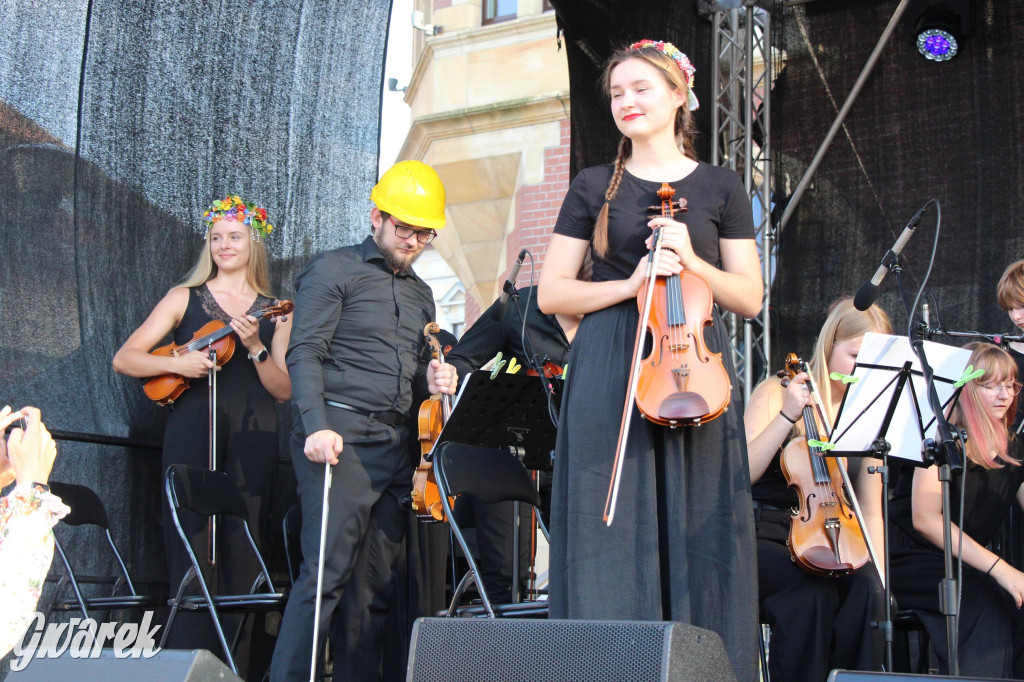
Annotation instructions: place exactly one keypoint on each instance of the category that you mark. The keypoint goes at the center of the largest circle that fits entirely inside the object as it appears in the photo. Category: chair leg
(175, 604)
(762, 641)
(459, 591)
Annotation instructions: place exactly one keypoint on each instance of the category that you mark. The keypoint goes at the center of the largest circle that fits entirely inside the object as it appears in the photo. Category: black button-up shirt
(357, 334)
(487, 336)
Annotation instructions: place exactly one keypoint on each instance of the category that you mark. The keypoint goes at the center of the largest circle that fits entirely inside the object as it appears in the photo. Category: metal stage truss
(741, 119)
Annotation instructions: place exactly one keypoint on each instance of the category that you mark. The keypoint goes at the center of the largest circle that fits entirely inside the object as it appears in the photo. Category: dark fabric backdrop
(120, 121)
(592, 31)
(919, 130)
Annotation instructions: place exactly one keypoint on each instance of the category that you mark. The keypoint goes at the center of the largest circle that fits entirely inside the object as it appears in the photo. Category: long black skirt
(682, 544)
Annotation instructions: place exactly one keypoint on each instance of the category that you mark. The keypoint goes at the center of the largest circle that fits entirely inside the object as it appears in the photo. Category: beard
(398, 260)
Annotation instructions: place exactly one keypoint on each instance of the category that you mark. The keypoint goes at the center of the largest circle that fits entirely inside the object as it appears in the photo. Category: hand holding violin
(192, 365)
(247, 328)
(441, 378)
(675, 237)
(796, 397)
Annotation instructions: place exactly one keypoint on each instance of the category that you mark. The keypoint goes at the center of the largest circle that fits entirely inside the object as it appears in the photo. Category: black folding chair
(291, 527)
(490, 476)
(210, 493)
(87, 509)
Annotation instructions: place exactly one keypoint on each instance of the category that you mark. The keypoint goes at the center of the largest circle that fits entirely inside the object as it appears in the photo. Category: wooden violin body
(680, 380)
(164, 389)
(434, 411)
(825, 537)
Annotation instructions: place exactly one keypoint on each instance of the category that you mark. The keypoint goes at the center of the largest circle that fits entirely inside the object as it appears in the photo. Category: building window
(498, 10)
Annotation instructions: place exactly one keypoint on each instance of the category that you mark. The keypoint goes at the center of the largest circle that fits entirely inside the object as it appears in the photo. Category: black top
(488, 336)
(719, 209)
(989, 494)
(357, 334)
(239, 372)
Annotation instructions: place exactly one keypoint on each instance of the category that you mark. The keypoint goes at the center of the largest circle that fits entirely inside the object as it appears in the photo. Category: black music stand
(887, 412)
(508, 413)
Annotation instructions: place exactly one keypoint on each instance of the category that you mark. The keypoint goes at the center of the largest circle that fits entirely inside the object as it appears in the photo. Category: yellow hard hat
(412, 192)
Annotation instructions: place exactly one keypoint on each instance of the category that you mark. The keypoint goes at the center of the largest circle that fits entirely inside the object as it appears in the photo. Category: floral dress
(27, 517)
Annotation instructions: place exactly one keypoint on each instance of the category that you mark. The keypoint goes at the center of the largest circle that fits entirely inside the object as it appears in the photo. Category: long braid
(601, 226)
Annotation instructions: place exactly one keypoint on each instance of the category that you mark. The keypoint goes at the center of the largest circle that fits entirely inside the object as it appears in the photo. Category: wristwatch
(261, 356)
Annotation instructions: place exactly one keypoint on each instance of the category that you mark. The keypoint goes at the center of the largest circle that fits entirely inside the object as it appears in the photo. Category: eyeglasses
(404, 232)
(1012, 388)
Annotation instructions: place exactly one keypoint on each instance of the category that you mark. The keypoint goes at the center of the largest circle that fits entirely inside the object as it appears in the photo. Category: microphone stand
(946, 456)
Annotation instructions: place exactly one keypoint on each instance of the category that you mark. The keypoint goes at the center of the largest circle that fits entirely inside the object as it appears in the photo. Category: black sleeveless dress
(247, 450)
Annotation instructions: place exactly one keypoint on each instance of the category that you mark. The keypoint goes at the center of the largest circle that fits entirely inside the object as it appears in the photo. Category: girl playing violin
(681, 545)
(817, 622)
(229, 282)
(991, 641)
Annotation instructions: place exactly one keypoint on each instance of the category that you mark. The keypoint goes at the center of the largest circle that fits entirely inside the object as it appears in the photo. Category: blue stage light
(937, 44)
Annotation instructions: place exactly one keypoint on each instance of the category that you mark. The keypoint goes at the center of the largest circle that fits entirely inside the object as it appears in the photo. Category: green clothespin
(845, 378)
(969, 373)
(498, 364)
(824, 447)
(513, 366)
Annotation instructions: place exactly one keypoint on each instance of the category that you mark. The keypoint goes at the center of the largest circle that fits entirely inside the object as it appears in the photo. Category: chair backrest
(486, 474)
(207, 493)
(204, 491)
(86, 507)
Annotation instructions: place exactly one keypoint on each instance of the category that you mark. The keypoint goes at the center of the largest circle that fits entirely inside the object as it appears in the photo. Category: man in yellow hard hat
(354, 357)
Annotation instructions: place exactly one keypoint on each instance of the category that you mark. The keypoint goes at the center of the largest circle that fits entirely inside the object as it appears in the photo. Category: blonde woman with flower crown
(681, 546)
(229, 282)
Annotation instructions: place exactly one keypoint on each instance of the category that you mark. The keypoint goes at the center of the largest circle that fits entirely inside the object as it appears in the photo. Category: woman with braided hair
(682, 543)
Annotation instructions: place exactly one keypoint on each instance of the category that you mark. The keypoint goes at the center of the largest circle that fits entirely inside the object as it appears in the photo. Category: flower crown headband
(247, 213)
(681, 60)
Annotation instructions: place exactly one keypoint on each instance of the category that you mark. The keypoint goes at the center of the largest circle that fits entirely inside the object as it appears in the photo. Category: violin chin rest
(685, 405)
(824, 558)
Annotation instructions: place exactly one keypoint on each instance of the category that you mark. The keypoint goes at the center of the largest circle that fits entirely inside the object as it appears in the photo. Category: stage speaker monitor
(852, 676)
(168, 665)
(521, 650)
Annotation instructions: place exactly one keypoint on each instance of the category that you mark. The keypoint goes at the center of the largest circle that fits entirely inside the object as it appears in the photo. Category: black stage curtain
(592, 31)
(119, 122)
(919, 130)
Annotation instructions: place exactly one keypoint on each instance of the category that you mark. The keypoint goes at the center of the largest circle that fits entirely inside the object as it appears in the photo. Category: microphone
(868, 291)
(498, 311)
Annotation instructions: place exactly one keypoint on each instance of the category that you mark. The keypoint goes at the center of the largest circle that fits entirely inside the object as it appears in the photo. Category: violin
(164, 389)
(434, 412)
(679, 381)
(825, 536)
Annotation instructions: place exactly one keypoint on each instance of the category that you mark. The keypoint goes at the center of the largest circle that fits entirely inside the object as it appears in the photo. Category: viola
(825, 536)
(679, 382)
(434, 412)
(164, 389)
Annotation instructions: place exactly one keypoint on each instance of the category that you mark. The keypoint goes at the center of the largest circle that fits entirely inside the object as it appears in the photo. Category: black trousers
(366, 528)
(817, 623)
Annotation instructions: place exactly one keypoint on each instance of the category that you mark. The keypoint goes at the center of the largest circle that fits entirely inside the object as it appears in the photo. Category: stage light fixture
(940, 28)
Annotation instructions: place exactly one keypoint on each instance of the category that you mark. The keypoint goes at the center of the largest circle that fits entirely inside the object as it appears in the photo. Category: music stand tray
(890, 401)
(509, 412)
